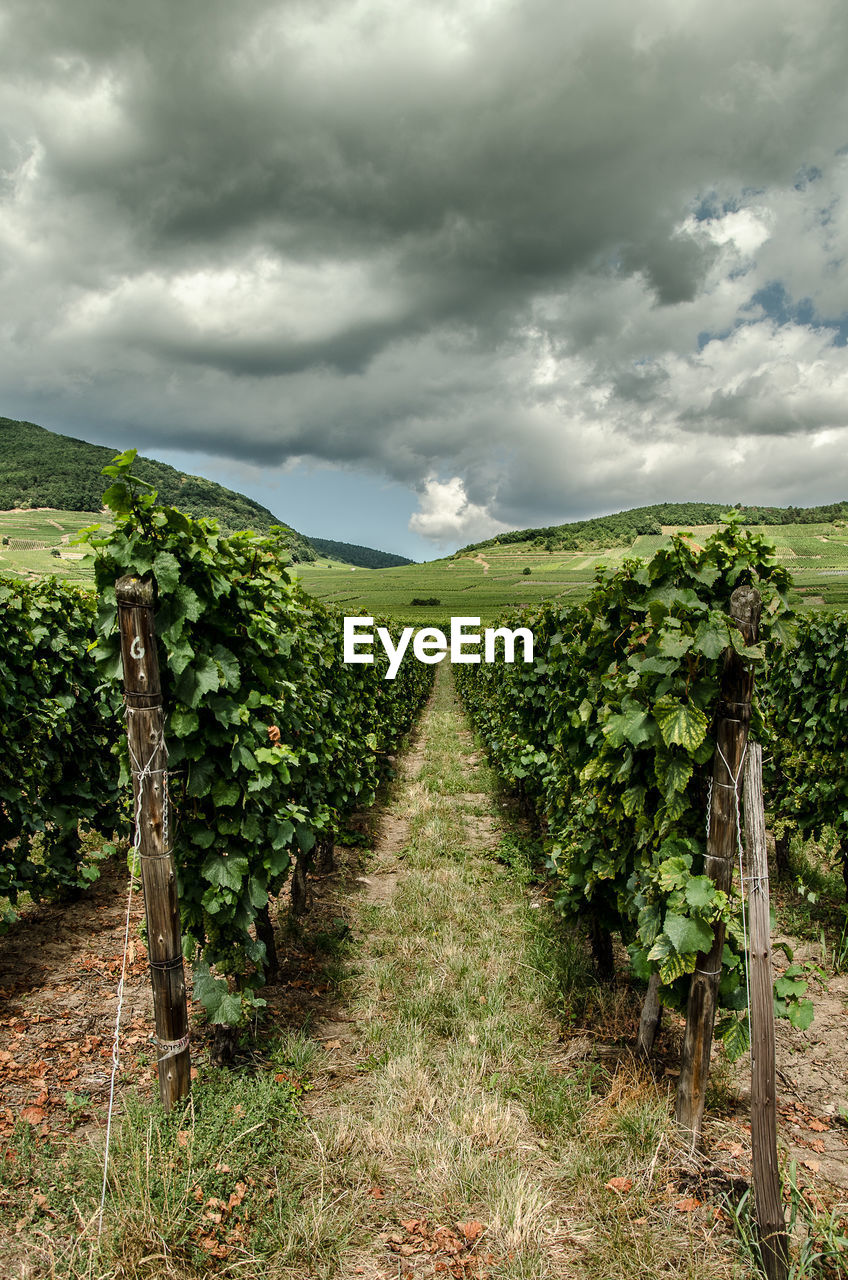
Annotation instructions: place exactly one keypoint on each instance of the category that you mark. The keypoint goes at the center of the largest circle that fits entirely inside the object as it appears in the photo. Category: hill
(623, 527)
(40, 468)
(362, 557)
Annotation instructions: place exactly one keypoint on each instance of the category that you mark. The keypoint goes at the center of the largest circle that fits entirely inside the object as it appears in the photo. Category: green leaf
(229, 666)
(711, 638)
(790, 988)
(675, 967)
(226, 873)
(166, 568)
(700, 892)
(688, 936)
(681, 724)
(736, 1038)
(221, 1005)
(630, 726)
(201, 773)
(256, 893)
(800, 1014)
(675, 773)
(199, 678)
(674, 645)
(225, 792)
(182, 723)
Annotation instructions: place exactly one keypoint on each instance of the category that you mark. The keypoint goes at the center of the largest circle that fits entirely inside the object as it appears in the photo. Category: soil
(812, 1080)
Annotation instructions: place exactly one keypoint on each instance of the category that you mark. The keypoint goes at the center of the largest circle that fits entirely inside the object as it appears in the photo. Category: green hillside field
(484, 583)
(473, 584)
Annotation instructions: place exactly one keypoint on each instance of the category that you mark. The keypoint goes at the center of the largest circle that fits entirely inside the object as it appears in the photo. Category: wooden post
(734, 715)
(769, 1205)
(148, 760)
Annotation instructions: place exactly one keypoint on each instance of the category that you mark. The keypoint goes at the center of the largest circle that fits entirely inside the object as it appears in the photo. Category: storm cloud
(532, 260)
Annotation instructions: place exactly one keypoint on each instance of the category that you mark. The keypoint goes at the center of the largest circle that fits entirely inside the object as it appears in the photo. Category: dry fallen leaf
(471, 1230)
(813, 1165)
(619, 1184)
(818, 1126)
(378, 1193)
(33, 1115)
(687, 1205)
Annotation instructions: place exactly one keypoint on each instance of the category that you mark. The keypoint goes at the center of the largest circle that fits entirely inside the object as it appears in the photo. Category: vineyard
(432, 1054)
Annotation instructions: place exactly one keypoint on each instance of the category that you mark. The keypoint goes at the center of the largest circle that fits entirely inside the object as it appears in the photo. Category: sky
(411, 274)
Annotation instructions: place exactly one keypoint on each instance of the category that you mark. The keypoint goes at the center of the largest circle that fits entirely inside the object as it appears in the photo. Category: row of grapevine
(272, 739)
(58, 772)
(610, 736)
(807, 714)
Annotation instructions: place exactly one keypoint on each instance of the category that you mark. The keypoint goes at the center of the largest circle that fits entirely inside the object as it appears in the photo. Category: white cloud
(447, 518)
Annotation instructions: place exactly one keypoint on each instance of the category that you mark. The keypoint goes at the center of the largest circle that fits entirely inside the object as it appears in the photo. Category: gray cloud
(455, 244)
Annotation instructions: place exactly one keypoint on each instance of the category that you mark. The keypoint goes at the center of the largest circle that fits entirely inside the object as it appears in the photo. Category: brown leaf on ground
(447, 1241)
(687, 1205)
(471, 1230)
(619, 1184)
(818, 1127)
(33, 1115)
(377, 1193)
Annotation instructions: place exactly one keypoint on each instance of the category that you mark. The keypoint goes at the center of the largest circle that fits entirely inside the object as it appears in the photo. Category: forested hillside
(622, 527)
(39, 468)
(363, 557)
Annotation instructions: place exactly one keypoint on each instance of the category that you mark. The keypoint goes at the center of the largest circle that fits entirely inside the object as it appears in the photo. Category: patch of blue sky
(774, 302)
(325, 501)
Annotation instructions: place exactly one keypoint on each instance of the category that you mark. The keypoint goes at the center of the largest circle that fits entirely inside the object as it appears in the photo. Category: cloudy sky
(412, 273)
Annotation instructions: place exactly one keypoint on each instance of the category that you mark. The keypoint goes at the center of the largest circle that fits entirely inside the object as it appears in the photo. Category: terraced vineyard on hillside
(483, 583)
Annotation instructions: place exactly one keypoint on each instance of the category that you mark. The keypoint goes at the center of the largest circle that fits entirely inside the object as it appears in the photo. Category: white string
(141, 774)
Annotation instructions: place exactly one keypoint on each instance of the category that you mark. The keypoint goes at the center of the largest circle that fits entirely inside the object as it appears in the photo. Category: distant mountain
(362, 557)
(621, 528)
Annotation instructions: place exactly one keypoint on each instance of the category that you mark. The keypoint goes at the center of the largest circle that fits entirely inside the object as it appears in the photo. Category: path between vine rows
(59, 972)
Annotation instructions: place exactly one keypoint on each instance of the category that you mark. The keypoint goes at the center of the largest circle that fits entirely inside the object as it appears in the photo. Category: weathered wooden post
(734, 716)
(149, 760)
(771, 1222)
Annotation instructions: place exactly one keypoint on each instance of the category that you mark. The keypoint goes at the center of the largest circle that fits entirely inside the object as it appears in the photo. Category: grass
(201, 1190)
(474, 1110)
